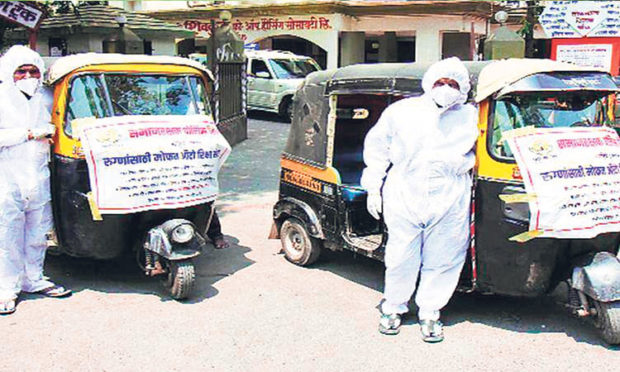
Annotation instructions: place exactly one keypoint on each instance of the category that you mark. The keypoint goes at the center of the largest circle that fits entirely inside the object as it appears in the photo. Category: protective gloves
(374, 204)
(43, 132)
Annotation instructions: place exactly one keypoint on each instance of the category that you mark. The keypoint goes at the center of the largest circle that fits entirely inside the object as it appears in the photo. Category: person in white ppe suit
(427, 143)
(25, 210)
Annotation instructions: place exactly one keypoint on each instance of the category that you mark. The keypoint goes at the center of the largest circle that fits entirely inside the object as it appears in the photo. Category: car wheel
(286, 108)
(298, 246)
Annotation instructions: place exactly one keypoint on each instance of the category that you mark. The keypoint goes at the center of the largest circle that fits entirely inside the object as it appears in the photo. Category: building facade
(339, 33)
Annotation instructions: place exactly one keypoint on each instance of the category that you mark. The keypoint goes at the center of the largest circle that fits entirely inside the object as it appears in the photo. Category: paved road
(253, 311)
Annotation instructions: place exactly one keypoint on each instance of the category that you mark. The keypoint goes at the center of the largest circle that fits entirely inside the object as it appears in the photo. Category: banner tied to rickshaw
(142, 163)
(574, 174)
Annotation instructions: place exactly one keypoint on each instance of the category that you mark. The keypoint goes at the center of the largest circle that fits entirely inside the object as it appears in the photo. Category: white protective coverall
(426, 195)
(25, 210)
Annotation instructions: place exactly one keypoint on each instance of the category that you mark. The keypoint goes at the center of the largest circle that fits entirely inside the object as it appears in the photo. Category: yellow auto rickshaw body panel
(486, 166)
(68, 146)
(298, 170)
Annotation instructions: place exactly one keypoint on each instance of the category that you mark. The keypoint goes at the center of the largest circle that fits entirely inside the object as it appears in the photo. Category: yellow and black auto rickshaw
(322, 206)
(164, 237)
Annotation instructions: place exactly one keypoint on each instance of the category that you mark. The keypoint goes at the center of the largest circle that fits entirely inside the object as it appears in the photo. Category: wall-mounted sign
(594, 55)
(21, 13)
(576, 19)
(244, 26)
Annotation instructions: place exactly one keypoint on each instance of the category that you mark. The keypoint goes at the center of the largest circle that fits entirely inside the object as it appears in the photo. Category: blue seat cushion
(353, 193)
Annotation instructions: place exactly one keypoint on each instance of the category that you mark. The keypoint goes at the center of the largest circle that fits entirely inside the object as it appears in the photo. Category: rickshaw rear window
(106, 95)
(570, 109)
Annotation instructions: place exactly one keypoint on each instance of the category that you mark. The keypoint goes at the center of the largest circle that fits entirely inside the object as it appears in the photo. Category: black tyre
(298, 246)
(608, 321)
(180, 279)
(286, 108)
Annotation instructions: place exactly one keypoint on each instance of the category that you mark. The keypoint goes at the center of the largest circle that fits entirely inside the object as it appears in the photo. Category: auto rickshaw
(322, 205)
(165, 240)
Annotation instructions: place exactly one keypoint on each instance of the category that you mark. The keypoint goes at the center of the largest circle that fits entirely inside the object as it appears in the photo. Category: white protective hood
(19, 55)
(451, 68)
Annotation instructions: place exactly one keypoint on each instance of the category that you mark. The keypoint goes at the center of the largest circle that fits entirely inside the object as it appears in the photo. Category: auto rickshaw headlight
(182, 233)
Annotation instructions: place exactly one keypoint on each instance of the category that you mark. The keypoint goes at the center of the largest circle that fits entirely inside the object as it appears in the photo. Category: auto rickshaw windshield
(546, 110)
(106, 95)
(292, 68)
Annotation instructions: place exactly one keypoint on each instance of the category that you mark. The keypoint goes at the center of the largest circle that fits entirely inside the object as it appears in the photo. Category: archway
(295, 45)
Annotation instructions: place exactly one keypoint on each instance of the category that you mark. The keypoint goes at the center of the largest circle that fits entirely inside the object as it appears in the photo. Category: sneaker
(432, 330)
(389, 324)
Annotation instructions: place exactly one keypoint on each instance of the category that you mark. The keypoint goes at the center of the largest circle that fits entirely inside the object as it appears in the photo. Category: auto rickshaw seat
(357, 113)
(353, 193)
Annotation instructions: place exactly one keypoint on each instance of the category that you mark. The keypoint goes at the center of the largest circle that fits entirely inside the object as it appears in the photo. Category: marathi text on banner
(142, 163)
(575, 175)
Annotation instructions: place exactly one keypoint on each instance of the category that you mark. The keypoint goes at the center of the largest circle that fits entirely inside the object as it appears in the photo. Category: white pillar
(352, 48)
(331, 47)
(427, 45)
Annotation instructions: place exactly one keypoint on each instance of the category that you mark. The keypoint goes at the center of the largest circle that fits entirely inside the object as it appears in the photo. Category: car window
(259, 65)
(292, 68)
(86, 99)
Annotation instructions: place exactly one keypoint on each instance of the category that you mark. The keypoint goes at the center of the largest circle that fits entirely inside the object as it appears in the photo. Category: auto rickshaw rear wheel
(179, 280)
(298, 246)
(608, 321)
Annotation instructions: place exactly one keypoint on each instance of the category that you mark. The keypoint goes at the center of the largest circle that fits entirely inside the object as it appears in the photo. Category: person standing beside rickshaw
(25, 209)
(423, 148)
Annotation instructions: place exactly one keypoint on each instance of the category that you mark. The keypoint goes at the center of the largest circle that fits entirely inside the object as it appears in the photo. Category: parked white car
(273, 78)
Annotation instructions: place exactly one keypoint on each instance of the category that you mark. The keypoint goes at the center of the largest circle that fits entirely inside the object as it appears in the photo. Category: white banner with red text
(572, 178)
(140, 163)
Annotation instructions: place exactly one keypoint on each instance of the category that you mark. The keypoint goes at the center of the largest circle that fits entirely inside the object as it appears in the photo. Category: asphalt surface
(254, 311)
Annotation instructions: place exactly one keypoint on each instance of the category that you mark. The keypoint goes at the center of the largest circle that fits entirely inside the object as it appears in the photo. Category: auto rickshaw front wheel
(607, 320)
(298, 246)
(179, 280)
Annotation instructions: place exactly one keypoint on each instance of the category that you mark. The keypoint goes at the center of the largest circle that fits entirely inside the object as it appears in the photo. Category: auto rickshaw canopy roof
(392, 78)
(500, 76)
(65, 65)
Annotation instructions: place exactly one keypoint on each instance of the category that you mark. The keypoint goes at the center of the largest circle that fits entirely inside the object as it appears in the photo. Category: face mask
(28, 86)
(445, 96)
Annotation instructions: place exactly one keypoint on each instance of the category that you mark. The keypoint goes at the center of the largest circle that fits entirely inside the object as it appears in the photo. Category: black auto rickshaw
(164, 238)
(322, 206)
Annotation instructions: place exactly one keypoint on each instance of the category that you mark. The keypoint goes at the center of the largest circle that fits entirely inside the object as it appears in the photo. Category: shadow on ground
(539, 315)
(123, 275)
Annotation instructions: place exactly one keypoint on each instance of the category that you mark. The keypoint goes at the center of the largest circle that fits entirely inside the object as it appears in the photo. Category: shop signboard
(253, 26)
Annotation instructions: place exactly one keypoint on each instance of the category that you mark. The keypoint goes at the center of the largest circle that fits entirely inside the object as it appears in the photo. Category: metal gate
(227, 61)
